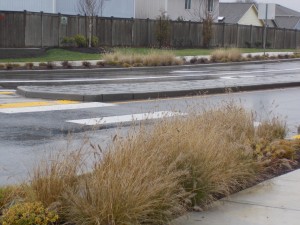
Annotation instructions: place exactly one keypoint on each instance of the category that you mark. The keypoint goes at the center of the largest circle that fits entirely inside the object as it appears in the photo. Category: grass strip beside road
(193, 51)
(56, 55)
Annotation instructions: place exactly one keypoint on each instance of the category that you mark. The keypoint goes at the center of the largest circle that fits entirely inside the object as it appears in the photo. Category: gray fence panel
(12, 29)
(26, 29)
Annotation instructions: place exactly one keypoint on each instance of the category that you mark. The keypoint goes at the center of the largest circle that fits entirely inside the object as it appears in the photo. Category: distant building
(116, 8)
(240, 13)
(287, 18)
(247, 14)
(194, 10)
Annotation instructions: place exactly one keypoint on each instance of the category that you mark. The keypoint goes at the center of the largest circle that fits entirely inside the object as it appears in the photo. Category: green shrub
(66, 65)
(10, 66)
(80, 41)
(29, 66)
(69, 41)
(28, 214)
(162, 30)
(95, 41)
(86, 64)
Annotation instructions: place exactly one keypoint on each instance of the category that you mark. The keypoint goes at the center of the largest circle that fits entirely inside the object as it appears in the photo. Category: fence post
(275, 38)
(223, 38)
(42, 29)
(296, 36)
(284, 38)
(24, 24)
(86, 27)
(148, 32)
(59, 26)
(237, 35)
(96, 26)
(78, 17)
(112, 30)
(251, 36)
(190, 36)
(132, 31)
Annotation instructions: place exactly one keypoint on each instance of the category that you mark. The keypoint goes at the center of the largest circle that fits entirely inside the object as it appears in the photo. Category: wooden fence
(27, 29)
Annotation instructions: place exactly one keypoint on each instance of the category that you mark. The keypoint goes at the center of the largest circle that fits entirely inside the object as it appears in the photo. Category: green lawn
(57, 55)
(195, 51)
(64, 55)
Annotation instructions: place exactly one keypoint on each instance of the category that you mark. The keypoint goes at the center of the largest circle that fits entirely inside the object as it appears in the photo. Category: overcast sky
(293, 4)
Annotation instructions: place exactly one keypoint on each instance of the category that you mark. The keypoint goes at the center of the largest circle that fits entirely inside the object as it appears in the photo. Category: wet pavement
(170, 83)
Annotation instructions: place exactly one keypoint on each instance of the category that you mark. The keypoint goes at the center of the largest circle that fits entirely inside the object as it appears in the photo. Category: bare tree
(205, 11)
(91, 8)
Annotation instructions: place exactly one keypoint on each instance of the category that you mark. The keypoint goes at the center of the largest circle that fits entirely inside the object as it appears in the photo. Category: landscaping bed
(127, 58)
(156, 172)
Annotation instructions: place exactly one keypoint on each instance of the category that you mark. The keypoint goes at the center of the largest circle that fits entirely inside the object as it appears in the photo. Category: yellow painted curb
(6, 93)
(35, 104)
(296, 137)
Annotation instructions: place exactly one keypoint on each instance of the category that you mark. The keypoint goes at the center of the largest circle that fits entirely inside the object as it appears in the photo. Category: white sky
(292, 4)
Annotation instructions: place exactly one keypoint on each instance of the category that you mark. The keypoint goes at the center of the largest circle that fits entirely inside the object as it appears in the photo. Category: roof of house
(283, 11)
(286, 18)
(233, 12)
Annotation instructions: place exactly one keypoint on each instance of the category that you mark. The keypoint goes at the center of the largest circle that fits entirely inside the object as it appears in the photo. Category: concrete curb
(25, 91)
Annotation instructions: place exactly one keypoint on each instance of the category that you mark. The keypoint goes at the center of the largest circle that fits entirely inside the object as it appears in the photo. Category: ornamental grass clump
(154, 58)
(226, 55)
(132, 184)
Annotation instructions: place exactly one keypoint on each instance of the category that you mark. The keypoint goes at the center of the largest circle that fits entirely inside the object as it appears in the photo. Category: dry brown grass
(51, 177)
(154, 58)
(226, 55)
(131, 185)
(156, 172)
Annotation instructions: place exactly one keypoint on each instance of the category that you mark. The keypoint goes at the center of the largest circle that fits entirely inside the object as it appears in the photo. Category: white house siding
(47, 6)
(174, 8)
(116, 8)
(149, 8)
(251, 18)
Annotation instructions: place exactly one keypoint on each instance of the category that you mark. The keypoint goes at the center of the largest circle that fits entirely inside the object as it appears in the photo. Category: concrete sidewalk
(273, 202)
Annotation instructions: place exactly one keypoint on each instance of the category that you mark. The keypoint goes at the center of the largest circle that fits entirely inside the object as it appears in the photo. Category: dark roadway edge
(150, 95)
(50, 74)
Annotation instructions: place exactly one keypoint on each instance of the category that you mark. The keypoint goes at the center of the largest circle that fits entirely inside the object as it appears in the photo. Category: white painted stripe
(55, 107)
(126, 118)
(7, 90)
(229, 78)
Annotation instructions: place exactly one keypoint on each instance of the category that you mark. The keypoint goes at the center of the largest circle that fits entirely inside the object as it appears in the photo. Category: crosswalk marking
(126, 118)
(55, 107)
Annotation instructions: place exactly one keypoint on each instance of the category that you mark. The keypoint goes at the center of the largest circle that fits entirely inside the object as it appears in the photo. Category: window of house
(188, 4)
(210, 5)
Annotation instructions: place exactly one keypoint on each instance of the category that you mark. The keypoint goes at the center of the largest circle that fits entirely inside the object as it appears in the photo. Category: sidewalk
(273, 202)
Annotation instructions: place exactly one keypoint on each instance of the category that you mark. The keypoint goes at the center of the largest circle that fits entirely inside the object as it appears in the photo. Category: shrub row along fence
(27, 29)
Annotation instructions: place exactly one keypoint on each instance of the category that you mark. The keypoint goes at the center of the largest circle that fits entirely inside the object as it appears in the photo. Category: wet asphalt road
(25, 137)
(12, 79)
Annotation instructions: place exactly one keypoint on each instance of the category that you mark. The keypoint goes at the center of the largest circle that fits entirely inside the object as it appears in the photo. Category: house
(240, 13)
(116, 8)
(287, 18)
(194, 10)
